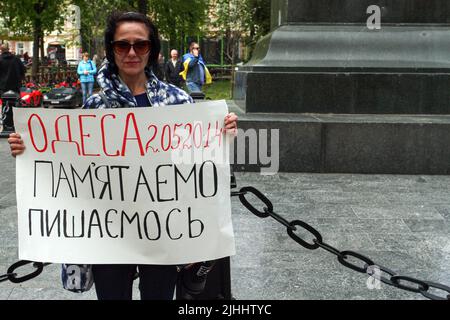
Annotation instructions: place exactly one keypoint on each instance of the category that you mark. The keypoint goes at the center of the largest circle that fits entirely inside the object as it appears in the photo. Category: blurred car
(72, 62)
(63, 97)
(30, 96)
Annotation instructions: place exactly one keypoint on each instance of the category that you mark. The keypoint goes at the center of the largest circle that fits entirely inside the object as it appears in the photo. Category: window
(20, 48)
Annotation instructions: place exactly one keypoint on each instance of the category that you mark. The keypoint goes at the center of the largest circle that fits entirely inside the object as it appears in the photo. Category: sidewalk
(400, 222)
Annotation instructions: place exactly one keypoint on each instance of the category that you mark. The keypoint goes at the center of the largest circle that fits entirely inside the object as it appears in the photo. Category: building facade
(68, 39)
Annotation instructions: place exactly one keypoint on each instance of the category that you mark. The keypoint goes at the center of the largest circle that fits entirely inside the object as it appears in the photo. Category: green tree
(93, 21)
(143, 6)
(231, 20)
(259, 24)
(179, 18)
(33, 17)
(175, 19)
(240, 21)
(139, 5)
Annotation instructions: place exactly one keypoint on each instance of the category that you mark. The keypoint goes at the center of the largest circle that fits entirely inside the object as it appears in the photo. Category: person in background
(86, 71)
(26, 57)
(96, 60)
(127, 81)
(195, 72)
(173, 69)
(159, 67)
(12, 70)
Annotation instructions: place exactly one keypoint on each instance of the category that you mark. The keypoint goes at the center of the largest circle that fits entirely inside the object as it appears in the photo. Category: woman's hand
(231, 123)
(16, 144)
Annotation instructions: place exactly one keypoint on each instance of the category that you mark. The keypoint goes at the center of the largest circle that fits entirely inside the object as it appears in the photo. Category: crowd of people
(188, 72)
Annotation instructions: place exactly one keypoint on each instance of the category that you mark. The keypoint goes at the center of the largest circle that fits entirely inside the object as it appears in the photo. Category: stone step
(345, 143)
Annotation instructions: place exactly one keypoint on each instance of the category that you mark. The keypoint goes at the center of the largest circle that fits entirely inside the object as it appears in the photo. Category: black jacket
(158, 70)
(12, 72)
(173, 72)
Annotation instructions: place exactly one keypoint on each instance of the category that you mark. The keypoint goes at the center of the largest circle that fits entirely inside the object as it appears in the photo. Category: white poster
(124, 186)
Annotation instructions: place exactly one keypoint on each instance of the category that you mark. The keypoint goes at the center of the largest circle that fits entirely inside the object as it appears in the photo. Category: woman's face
(131, 64)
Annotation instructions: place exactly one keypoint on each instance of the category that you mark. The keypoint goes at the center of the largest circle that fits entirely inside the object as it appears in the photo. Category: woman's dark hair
(117, 17)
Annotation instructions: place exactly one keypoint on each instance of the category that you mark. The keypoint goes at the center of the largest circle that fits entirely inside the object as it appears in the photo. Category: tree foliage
(93, 20)
(179, 18)
(175, 18)
(259, 18)
(240, 21)
(34, 17)
(21, 17)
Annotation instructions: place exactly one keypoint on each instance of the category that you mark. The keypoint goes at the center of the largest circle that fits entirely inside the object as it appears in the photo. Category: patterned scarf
(120, 96)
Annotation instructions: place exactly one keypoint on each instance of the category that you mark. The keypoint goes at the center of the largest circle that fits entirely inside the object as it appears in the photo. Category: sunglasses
(122, 47)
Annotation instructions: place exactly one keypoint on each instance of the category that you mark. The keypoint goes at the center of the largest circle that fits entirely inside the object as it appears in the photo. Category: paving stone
(444, 210)
(393, 212)
(427, 225)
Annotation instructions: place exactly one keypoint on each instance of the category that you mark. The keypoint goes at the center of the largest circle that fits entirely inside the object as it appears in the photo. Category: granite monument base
(348, 69)
(375, 144)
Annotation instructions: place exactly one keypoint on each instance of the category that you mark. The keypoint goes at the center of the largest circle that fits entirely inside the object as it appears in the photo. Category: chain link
(371, 271)
(280, 219)
(6, 276)
(263, 198)
(237, 193)
(369, 266)
(304, 225)
(422, 286)
(436, 286)
(328, 248)
(5, 110)
(343, 260)
(12, 276)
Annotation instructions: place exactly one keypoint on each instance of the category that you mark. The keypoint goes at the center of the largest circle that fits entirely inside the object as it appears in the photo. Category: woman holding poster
(126, 80)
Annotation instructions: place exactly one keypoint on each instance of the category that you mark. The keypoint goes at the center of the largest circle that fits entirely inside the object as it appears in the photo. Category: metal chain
(369, 267)
(5, 110)
(366, 265)
(12, 276)
(6, 276)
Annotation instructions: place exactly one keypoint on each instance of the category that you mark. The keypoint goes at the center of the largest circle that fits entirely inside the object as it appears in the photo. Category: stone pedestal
(322, 58)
